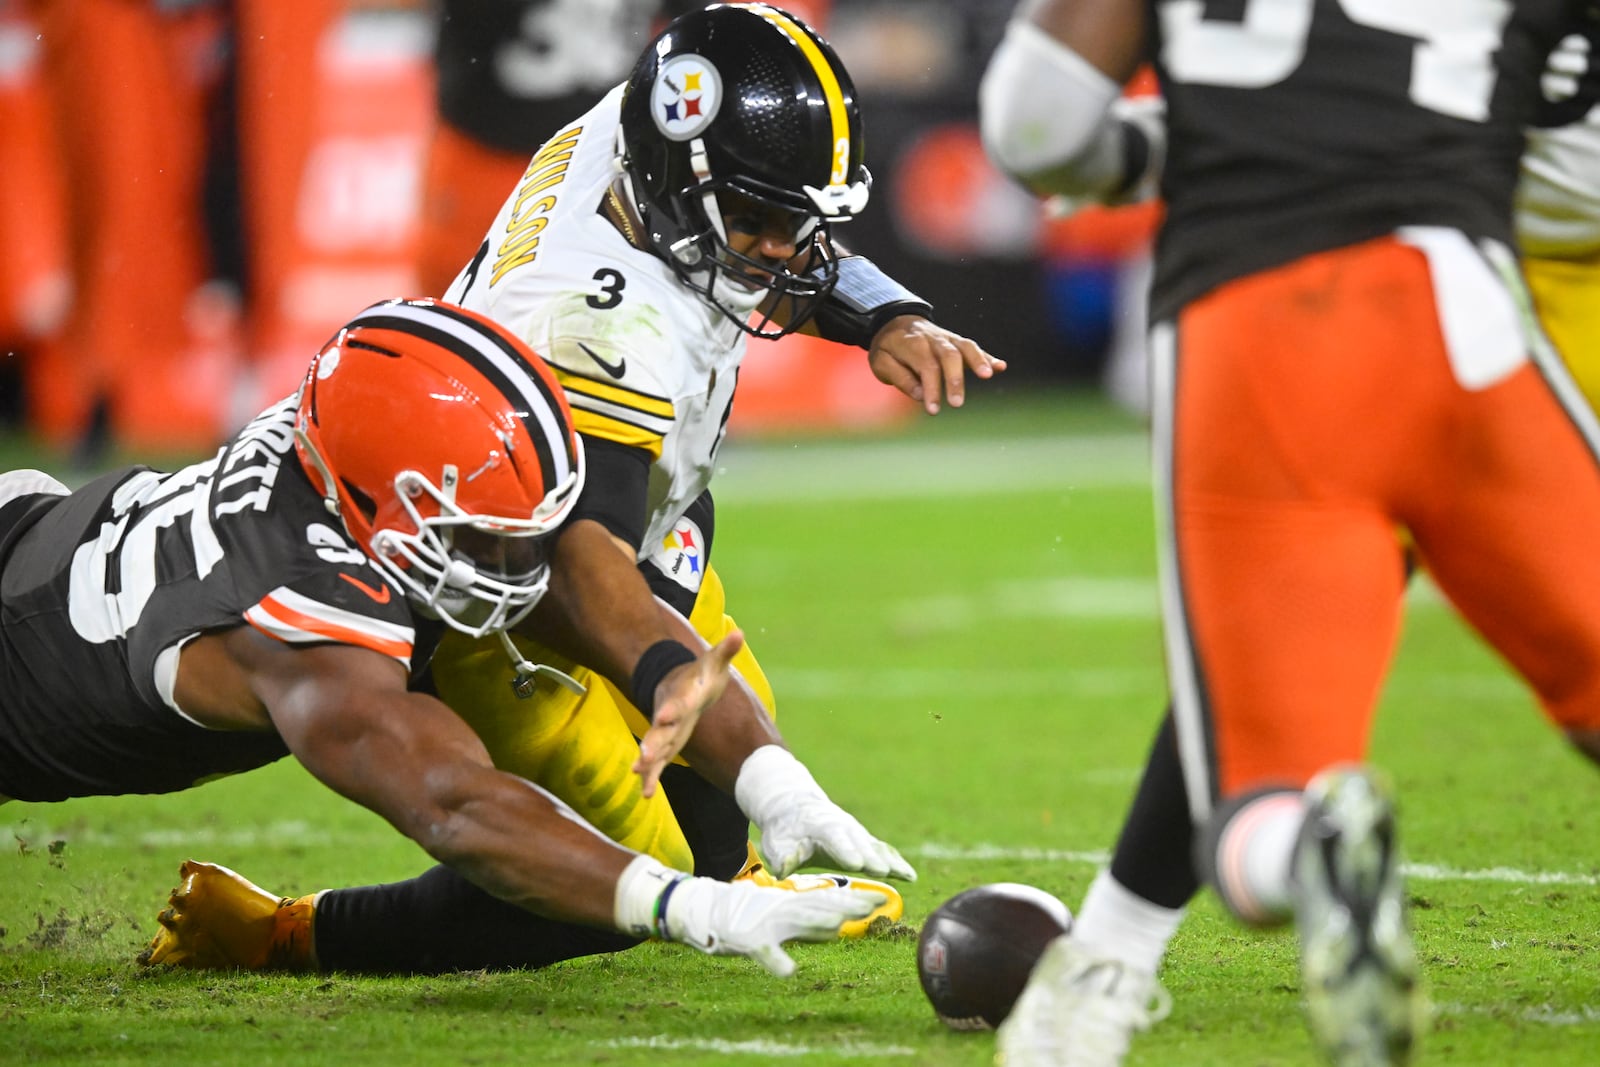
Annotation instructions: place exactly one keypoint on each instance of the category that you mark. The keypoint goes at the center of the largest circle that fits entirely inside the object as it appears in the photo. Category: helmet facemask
(475, 573)
(691, 231)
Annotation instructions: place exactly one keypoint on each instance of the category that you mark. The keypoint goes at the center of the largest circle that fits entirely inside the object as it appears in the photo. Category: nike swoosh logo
(379, 595)
(616, 370)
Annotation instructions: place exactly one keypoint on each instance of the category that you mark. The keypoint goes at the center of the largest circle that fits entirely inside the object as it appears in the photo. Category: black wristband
(653, 666)
(863, 300)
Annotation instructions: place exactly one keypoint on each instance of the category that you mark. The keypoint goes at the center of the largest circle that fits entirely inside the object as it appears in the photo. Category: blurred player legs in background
(131, 86)
(1349, 902)
(159, 114)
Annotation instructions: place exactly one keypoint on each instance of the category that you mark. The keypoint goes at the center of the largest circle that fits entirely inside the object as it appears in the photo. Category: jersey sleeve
(342, 605)
(616, 489)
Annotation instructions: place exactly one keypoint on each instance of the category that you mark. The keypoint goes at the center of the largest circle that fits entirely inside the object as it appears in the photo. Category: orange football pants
(1308, 419)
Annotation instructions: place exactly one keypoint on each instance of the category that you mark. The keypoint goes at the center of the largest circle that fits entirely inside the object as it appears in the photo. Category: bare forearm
(735, 725)
(513, 841)
(599, 610)
(409, 758)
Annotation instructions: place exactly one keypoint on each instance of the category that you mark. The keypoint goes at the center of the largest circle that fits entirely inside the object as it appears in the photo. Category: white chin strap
(528, 672)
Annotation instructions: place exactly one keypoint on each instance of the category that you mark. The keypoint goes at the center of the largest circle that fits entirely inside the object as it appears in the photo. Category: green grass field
(961, 624)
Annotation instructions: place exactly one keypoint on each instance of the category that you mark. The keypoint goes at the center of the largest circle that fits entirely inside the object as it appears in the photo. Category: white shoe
(1078, 1010)
(1364, 999)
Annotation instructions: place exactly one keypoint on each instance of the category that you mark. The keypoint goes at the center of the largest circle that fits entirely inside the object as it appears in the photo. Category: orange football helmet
(446, 448)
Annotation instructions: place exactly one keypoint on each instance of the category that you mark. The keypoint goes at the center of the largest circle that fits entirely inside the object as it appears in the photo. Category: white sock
(1117, 924)
(1254, 855)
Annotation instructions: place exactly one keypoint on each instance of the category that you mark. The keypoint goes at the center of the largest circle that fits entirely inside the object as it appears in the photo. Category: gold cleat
(219, 920)
(886, 913)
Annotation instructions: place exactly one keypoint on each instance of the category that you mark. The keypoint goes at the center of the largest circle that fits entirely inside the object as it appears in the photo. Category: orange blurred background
(198, 192)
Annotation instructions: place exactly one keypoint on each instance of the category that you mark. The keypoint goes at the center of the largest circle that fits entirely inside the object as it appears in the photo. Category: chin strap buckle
(529, 672)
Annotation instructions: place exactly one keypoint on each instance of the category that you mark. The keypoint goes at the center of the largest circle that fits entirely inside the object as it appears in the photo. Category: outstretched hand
(799, 823)
(685, 693)
(808, 828)
(926, 361)
(741, 919)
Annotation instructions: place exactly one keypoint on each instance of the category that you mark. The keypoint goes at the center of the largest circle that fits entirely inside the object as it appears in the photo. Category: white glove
(798, 821)
(733, 918)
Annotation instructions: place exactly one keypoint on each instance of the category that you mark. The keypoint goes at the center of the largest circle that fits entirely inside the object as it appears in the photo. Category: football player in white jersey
(647, 241)
(158, 630)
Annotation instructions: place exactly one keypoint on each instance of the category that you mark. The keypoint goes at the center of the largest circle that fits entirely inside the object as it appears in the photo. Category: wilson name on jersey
(1303, 125)
(103, 591)
(645, 362)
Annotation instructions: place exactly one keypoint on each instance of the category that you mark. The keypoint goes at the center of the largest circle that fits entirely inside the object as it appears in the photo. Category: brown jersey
(100, 589)
(1304, 125)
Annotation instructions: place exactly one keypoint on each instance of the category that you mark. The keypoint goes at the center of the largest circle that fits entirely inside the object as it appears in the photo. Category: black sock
(440, 922)
(1154, 857)
(712, 824)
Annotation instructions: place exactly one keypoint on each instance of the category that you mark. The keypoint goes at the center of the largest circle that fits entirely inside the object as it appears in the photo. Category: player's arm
(700, 707)
(601, 612)
(1050, 105)
(905, 348)
(347, 716)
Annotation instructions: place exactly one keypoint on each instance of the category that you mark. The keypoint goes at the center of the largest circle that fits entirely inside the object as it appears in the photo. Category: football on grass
(977, 948)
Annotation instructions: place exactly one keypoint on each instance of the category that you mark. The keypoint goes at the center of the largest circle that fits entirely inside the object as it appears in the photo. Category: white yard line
(915, 683)
(911, 683)
(1093, 597)
(298, 833)
(1425, 872)
(288, 832)
(1588, 1015)
(758, 1047)
(899, 469)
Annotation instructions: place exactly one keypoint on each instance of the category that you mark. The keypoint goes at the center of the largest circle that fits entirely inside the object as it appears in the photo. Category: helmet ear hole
(364, 503)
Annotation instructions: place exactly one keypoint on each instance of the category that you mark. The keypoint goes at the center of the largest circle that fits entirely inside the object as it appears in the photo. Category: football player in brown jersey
(160, 629)
(1340, 355)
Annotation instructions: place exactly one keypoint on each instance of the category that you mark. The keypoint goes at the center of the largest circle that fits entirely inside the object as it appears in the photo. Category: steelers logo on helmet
(685, 97)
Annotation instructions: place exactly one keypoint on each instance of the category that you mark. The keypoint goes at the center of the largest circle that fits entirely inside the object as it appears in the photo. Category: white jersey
(1558, 200)
(644, 360)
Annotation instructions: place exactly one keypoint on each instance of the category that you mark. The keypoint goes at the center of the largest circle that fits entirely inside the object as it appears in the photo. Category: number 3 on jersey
(1452, 68)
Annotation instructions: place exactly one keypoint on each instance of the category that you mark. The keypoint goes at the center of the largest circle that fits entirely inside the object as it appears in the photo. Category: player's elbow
(1042, 111)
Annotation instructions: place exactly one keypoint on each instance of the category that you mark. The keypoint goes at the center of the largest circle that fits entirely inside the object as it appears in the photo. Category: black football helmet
(742, 110)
